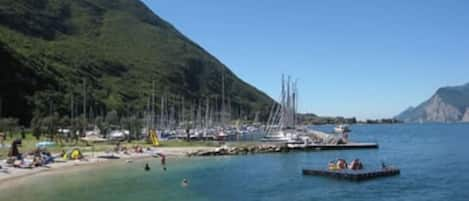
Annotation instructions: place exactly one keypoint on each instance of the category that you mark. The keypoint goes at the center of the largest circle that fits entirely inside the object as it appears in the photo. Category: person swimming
(185, 183)
(147, 167)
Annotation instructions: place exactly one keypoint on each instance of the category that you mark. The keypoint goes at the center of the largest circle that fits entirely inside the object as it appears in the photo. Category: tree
(136, 127)
(63, 123)
(102, 125)
(126, 124)
(36, 127)
(112, 118)
(77, 126)
(9, 125)
(51, 123)
(133, 125)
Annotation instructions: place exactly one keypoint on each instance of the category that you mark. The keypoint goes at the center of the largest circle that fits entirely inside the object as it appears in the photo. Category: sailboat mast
(223, 98)
(295, 102)
(282, 106)
(183, 111)
(207, 109)
(161, 112)
(71, 107)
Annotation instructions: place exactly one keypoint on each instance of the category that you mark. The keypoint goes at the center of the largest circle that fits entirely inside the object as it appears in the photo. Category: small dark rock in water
(147, 167)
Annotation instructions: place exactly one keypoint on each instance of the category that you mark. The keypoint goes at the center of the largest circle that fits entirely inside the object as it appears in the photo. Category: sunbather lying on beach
(138, 149)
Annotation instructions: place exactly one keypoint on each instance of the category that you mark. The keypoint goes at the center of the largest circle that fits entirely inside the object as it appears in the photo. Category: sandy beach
(8, 174)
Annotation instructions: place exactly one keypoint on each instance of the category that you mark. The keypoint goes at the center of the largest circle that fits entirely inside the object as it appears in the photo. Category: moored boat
(342, 128)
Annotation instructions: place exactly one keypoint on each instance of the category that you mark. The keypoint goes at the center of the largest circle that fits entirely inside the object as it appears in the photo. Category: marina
(141, 100)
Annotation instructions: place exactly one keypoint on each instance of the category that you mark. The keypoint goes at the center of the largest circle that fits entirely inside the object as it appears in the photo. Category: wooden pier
(353, 175)
(320, 147)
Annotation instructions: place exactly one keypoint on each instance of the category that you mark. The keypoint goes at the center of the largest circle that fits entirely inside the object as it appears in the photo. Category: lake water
(433, 159)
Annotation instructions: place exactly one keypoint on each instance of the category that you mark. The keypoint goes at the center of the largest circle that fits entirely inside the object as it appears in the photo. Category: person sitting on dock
(341, 164)
(332, 166)
(356, 164)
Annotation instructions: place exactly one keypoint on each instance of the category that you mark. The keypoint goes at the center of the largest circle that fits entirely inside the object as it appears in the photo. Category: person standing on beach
(14, 152)
(163, 161)
(188, 134)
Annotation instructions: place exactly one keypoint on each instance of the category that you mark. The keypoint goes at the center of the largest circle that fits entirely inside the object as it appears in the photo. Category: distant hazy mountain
(448, 104)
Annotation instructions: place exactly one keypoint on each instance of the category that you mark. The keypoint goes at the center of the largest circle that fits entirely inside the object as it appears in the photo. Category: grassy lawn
(29, 144)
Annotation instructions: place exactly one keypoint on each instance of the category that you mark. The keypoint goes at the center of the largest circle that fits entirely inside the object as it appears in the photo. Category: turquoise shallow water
(432, 157)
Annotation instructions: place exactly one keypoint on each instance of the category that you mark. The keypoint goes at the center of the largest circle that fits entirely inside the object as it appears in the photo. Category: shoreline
(16, 173)
(91, 159)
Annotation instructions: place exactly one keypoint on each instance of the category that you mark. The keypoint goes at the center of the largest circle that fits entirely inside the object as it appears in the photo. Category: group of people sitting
(37, 158)
(341, 164)
(73, 154)
(135, 149)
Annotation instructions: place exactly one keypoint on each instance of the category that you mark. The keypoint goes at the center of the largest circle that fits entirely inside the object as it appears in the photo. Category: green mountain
(448, 104)
(50, 48)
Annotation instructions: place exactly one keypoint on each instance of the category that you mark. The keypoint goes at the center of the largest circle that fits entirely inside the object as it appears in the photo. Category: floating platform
(353, 175)
(334, 146)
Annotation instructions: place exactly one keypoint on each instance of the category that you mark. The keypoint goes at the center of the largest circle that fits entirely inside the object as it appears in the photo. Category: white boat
(118, 135)
(93, 131)
(342, 128)
(284, 136)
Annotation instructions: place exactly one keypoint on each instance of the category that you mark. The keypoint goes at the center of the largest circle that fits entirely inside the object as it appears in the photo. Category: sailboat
(282, 119)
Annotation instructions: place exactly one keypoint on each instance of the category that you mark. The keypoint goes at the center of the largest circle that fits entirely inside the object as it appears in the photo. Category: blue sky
(368, 59)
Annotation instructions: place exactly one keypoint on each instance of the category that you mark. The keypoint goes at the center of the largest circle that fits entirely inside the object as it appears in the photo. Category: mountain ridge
(448, 104)
(118, 47)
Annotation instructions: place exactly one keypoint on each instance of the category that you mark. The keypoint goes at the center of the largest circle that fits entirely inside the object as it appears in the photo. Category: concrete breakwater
(276, 148)
(241, 150)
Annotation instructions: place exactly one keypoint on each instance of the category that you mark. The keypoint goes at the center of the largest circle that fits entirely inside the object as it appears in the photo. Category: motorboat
(342, 128)
(118, 135)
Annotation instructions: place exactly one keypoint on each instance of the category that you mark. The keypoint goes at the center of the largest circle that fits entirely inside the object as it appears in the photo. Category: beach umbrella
(45, 144)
